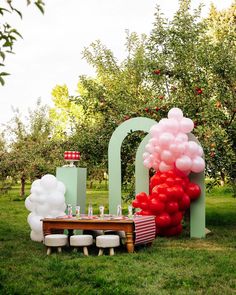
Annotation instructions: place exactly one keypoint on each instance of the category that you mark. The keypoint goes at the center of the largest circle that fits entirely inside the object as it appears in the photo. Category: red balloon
(135, 204)
(154, 192)
(172, 231)
(170, 181)
(144, 212)
(144, 205)
(175, 192)
(170, 173)
(161, 188)
(172, 207)
(163, 220)
(162, 198)
(193, 190)
(163, 176)
(155, 180)
(184, 203)
(179, 181)
(156, 206)
(176, 218)
(141, 197)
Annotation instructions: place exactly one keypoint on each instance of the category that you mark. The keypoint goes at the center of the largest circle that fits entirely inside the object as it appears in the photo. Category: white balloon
(61, 187)
(37, 190)
(36, 224)
(36, 236)
(49, 182)
(55, 198)
(42, 209)
(29, 205)
(42, 198)
(35, 183)
(30, 216)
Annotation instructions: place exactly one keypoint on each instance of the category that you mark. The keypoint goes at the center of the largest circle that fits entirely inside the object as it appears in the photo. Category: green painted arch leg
(114, 157)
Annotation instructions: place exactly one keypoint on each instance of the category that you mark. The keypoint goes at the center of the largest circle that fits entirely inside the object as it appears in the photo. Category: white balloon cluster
(169, 147)
(46, 200)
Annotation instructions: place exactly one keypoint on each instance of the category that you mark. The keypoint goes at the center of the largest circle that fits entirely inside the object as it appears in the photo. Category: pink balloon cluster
(169, 147)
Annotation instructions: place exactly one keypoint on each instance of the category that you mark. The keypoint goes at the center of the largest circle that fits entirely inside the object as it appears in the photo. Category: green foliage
(32, 151)
(8, 34)
(187, 62)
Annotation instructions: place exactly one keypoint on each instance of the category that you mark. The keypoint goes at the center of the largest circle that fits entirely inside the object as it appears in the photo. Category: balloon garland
(173, 157)
(46, 200)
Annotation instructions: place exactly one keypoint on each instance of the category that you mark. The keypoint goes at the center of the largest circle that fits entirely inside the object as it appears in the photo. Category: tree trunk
(22, 189)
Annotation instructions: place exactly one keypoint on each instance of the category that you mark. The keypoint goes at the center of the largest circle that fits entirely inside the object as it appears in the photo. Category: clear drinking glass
(77, 212)
(130, 211)
(90, 210)
(101, 210)
(119, 210)
(69, 210)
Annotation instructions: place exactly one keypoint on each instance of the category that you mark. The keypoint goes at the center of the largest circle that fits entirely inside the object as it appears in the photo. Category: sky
(50, 52)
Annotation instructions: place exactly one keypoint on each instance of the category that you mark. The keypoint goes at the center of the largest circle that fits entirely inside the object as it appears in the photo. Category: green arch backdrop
(197, 209)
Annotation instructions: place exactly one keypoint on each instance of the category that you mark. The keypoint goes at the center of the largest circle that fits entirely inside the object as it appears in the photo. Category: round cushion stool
(107, 241)
(55, 240)
(81, 241)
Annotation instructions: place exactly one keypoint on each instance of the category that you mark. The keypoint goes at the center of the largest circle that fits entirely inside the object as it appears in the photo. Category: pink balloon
(153, 141)
(200, 151)
(191, 149)
(162, 123)
(198, 164)
(149, 148)
(186, 125)
(181, 137)
(157, 149)
(171, 125)
(146, 155)
(166, 139)
(177, 149)
(167, 157)
(156, 156)
(175, 113)
(164, 167)
(147, 163)
(156, 130)
(155, 165)
(184, 163)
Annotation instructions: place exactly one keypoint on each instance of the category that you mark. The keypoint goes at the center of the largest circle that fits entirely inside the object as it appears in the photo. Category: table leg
(129, 242)
(46, 230)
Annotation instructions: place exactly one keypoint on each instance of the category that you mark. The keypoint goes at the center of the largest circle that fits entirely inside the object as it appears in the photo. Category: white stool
(107, 241)
(81, 241)
(55, 240)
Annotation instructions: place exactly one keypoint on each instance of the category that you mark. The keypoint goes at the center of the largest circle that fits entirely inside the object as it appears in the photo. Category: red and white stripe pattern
(71, 156)
(145, 229)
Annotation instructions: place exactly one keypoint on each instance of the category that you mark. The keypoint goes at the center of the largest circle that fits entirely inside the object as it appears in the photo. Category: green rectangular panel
(75, 181)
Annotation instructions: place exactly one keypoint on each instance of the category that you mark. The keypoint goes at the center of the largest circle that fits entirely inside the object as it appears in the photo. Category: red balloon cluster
(170, 195)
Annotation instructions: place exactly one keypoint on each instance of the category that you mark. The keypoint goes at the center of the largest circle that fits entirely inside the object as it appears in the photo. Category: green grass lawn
(177, 265)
